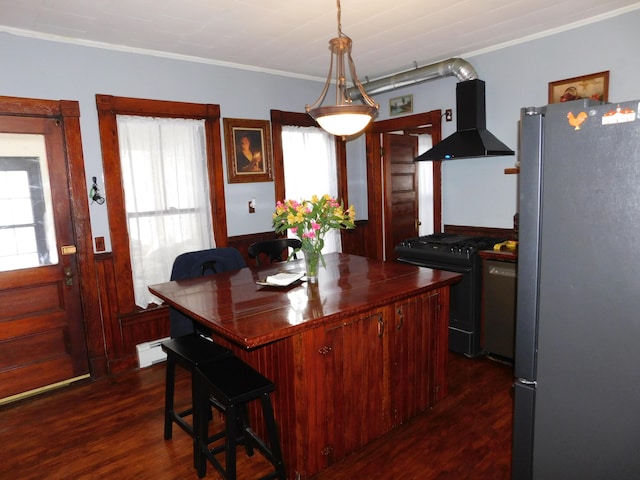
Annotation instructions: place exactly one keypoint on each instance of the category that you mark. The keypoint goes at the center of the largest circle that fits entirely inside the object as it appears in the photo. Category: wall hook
(94, 193)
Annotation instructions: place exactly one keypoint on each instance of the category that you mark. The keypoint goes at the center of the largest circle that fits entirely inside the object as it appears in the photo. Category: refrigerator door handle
(530, 185)
(524, 381)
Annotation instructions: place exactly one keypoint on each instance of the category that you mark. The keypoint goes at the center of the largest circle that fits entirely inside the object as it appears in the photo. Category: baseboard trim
(46, 388)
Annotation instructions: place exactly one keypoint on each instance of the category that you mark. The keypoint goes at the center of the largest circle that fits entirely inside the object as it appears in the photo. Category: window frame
(108, 108)
(280, 118)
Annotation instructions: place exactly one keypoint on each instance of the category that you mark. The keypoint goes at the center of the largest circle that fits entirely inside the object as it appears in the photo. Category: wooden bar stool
(232, 383)
(189, 351)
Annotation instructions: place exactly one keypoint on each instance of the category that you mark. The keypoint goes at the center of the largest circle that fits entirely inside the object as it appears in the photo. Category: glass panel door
(27, 233)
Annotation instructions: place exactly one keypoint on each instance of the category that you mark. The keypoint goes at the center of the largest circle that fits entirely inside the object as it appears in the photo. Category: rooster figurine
(576, 121)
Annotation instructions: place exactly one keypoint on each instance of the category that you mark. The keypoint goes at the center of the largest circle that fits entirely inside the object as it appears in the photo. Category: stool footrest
(178, 419)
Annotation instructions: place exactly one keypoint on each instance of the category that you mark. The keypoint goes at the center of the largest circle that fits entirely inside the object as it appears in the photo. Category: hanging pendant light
(344, 118)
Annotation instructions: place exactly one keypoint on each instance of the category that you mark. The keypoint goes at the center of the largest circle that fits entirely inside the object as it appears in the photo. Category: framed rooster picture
(594, 87)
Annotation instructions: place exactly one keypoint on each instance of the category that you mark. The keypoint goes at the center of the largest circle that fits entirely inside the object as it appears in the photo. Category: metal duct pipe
(446, 68)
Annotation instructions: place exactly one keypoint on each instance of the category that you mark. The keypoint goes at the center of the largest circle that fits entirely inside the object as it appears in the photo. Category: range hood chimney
(472, 139)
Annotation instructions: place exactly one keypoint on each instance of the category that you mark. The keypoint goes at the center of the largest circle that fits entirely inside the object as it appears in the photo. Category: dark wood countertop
(235, 307)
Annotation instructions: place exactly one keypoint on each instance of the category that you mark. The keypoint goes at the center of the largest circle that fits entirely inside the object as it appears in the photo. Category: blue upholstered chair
(197, 264)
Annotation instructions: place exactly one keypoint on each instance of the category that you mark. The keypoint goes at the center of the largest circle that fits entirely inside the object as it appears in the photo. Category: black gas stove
(455, 253)
(459, 249)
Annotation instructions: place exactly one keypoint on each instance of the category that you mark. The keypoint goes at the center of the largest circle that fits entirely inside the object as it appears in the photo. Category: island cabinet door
(345, 388)
(412, 355)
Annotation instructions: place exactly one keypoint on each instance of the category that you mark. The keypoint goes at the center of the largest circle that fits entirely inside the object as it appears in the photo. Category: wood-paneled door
(401, 190)
(42, 335)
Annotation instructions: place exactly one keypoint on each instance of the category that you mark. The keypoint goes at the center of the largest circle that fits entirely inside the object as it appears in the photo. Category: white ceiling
(292, 35)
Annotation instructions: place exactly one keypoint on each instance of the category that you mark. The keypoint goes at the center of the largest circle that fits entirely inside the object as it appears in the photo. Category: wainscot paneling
(124, 330)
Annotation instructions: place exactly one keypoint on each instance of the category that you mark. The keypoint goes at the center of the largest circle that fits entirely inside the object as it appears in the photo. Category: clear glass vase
(312, 264)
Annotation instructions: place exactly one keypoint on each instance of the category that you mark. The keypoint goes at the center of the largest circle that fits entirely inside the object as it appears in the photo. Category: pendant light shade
(344, 118)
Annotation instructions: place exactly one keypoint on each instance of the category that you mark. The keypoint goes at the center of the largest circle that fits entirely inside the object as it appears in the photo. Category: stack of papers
(282, 279)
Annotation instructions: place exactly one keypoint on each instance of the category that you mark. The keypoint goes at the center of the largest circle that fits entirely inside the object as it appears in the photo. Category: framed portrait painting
(594, 87)
(248, 149)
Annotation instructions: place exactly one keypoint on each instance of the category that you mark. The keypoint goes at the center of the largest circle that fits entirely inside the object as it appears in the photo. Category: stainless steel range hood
(472, 139)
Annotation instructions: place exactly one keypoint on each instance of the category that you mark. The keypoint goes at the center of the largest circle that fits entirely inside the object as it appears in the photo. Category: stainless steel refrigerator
(577, 352)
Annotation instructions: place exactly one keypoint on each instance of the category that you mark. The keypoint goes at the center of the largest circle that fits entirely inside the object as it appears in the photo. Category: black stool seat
(189, 351)
(232, 383)
(193, 350)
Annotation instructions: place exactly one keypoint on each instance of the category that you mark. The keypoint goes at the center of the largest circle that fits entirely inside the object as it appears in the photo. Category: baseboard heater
(150, 353)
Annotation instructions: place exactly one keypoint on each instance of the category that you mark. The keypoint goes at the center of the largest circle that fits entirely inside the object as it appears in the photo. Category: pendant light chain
(343, 118)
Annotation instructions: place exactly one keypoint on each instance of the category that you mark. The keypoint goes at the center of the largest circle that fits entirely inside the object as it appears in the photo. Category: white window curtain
(309, 156)
(166, 191)
(425, 188)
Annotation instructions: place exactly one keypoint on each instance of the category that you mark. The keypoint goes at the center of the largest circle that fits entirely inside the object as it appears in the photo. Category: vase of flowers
(310, 220)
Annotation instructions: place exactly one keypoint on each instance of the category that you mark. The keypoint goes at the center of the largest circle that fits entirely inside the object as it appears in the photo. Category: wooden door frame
(375, 173)
(67, 112)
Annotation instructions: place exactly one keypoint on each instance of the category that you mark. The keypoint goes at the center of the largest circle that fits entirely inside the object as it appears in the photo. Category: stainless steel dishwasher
(499, 307)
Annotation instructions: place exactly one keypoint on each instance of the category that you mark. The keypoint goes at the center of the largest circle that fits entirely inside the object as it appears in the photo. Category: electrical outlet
(100, 244)
(448, 114)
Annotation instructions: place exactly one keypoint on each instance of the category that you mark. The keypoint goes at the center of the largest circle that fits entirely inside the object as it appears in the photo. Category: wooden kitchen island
(352, 356)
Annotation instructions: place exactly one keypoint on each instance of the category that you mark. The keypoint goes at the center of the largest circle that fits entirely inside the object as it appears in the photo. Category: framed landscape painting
(401, 105)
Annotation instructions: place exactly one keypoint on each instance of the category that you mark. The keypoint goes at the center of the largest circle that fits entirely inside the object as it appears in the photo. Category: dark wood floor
(112, 429)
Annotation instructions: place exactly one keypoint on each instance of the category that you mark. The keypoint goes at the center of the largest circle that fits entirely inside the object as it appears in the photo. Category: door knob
(68, 276)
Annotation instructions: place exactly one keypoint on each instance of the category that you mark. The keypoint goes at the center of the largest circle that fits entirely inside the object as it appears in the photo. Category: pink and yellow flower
(311, 219)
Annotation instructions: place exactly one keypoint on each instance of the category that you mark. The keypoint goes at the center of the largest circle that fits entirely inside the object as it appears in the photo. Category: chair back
(274, 249)
(197, 264)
